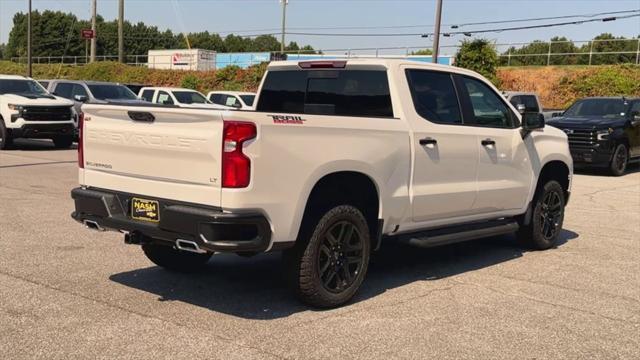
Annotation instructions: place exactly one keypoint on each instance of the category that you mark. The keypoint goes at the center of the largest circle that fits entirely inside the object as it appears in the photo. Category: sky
(245, 15)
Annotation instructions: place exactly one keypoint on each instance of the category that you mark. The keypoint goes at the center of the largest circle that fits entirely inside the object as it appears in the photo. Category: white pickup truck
(337, 156)
(27, 110)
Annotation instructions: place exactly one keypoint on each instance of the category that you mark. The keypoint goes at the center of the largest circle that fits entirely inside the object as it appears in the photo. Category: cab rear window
(363, 93)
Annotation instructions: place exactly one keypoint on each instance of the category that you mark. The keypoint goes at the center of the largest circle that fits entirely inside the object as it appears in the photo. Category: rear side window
(434, 96)
(147, 95)
(363, 93)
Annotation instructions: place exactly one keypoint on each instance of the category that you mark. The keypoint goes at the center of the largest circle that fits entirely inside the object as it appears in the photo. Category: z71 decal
(287, 119)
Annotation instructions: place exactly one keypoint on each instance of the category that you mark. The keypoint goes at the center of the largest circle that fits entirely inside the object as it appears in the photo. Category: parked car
(235, 99)
(27, 110)
(81, 92)
(185, 98)
(530, 102)
(337, 156)
(604, 132)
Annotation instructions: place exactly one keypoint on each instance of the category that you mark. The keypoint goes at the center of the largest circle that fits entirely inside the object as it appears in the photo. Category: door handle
(488, 142)
(428, 141)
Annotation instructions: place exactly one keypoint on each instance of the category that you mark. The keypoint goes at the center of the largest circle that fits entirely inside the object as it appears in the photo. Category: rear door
(160, 152)
(445, 149)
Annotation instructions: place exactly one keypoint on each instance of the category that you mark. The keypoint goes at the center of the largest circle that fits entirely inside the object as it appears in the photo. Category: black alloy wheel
(341, 256)
(551, 214)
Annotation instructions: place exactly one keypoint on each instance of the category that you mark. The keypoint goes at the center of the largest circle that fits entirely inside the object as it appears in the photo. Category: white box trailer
(182, 59)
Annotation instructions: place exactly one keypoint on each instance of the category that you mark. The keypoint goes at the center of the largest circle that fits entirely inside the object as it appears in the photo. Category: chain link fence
(537, 53)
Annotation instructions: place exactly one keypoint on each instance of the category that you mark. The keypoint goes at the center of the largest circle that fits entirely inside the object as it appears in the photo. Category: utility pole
(121, 31)
(436, 32)
(284, 22)
(93, 28)
(29, 41)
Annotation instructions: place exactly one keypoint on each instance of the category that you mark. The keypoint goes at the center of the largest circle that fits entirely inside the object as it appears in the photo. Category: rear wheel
(545, 226)
(175, 260)
(329, 263)
(63, 141)
(5, 136)
(619, 161)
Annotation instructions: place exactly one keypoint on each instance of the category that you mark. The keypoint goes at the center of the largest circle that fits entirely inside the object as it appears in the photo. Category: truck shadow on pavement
(254, 288)
(37, 145)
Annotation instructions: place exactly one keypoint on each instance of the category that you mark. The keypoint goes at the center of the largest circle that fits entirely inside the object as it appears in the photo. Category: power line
(481, 31)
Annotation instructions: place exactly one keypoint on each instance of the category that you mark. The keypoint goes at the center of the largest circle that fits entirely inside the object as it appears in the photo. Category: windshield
(248, 99)
(17, 86)
(608, 108)
(112, 92)
(190, 97)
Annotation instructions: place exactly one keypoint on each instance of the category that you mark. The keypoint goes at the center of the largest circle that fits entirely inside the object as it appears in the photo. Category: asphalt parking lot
(67, 292)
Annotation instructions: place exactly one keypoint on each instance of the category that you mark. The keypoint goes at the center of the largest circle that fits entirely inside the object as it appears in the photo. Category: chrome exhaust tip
(190, 246)
(90, 224)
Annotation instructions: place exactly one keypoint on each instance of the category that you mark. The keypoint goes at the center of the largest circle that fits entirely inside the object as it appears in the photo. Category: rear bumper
(209, 227)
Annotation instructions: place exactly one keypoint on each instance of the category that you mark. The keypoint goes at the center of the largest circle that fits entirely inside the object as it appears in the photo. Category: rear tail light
(80, 140)
(236, 166)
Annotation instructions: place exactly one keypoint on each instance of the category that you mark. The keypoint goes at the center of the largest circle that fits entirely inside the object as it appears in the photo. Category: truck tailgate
(168, 153)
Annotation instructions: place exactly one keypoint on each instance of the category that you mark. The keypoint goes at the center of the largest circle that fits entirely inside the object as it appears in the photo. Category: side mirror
(80, 98)
(532, 121)
(521, 108)
(236, 105)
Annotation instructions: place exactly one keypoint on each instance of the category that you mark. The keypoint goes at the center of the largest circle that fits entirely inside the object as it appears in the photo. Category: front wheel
(545, 226)
(5, 136)
(619, 161)
(328, 266)
(175, 260)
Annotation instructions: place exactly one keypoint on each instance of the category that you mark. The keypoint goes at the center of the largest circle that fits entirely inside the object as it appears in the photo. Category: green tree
(605, 43)
(478, 55)
(57, 33)
(2, 50)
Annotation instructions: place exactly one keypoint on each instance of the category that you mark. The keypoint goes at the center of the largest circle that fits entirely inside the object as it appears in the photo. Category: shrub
(190, 82)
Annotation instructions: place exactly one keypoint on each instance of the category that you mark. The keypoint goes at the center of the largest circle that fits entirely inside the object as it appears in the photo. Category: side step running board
(460, 233)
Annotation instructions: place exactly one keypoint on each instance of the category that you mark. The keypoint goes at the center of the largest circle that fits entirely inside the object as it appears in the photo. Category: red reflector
(236, 166)
(80, 140)
(322, 64)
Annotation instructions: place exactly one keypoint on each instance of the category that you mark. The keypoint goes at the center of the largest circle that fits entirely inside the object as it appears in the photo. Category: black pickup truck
(603, 132)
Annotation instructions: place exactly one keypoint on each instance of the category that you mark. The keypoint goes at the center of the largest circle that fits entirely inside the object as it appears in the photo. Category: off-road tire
(172, 259)
(619, 161)
(63, 141)
(313, 251)
(548, 210)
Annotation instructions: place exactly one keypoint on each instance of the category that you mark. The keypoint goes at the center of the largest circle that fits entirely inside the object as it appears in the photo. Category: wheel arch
(345, 187)
(555, 170)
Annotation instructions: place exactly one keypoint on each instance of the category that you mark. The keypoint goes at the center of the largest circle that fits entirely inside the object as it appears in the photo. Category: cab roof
(373, 62)
(14, 77)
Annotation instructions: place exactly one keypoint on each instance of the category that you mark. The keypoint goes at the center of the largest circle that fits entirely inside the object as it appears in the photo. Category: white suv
(338, 156)
(27, 110)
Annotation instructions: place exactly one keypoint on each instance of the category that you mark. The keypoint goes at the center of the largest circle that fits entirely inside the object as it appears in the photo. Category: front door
(505, 174)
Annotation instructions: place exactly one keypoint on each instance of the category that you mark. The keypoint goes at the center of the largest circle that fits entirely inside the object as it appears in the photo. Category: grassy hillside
(558, 86)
